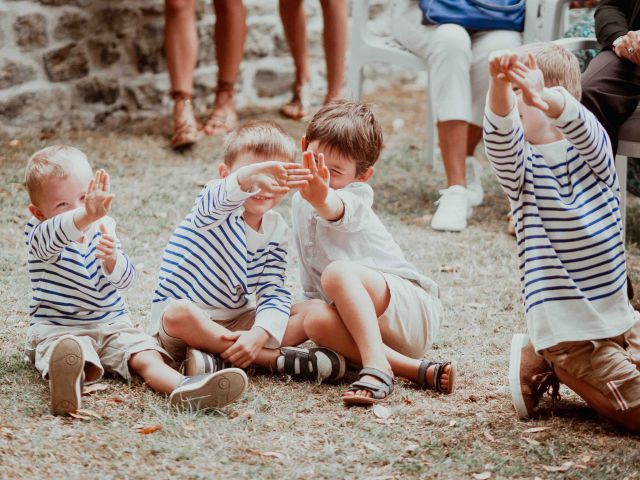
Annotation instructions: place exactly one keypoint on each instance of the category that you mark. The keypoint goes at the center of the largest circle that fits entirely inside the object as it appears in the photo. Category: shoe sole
(65, 373)
(221, 389)
(518, 342)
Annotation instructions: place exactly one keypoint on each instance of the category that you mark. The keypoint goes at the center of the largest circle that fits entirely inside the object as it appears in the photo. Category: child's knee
(144, 359)
(177, 316)
(335, 275)
(319, 320)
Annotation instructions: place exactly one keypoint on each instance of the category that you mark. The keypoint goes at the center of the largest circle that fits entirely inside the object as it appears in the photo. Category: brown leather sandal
(298, 107)
(222, 119)
(185, 126)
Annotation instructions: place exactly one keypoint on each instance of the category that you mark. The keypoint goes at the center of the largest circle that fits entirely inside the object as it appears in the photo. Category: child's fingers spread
(106, 182)
(108, 201)
(299, 171)
(297, 183)
(90, 188)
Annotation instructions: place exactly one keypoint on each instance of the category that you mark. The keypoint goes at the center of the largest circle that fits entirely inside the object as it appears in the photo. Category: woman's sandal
(300, 103)
(379, 391)
(185, 127)
(221, 119)
(332, 368)
(437, 376)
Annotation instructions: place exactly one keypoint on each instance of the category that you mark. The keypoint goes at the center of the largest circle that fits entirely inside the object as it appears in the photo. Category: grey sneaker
(198, 362)
(214, 390)
(66, 367)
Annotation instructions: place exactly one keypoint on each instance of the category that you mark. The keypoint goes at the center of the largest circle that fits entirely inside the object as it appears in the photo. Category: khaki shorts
(411, 322)
(612, 365)
(176, 347)
(104, 347)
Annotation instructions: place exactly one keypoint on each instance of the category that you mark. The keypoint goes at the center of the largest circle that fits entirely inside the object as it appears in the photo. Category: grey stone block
(31, 31)
(71, 26)
(271, 82)
(14, 73)
(104, 51)
(40, 108)
(99, 90)
(66, 63)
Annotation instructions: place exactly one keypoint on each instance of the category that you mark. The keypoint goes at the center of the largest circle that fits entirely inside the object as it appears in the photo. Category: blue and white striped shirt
(70, 286)
(564, 197)
(217, 261)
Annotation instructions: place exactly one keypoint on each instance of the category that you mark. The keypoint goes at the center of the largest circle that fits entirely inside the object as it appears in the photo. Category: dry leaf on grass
(488, 436)
(535, 429)
(116, 399)
(6, 432)
(482, 476)
(381, 412)
(146, 430)
(15, 143)
(406, 400)
(96, 387)
(449, 269)
(562, 468)
(275, 455)
(453, 423)
(84, 414)
(530, 441)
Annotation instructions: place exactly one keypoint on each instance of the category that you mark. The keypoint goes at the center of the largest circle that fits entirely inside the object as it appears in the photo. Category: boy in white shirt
(368, 303)
(554, 161)
(79, 324)
(221, 297)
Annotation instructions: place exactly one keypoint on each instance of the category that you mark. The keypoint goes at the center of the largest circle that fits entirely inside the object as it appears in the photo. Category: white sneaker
(474, 183)
(453, 209)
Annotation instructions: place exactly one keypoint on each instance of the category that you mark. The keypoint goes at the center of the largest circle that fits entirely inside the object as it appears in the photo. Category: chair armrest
(574, 44)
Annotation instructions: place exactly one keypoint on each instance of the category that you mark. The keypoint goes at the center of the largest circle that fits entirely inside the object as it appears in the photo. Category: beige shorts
(411, 322)
(612, 365)
(176, 347)
(105, 347)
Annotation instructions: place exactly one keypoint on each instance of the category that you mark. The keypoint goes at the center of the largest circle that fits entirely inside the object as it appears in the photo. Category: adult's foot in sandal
(299, 105)
(438, 376)
(185, 126)
(223, 117)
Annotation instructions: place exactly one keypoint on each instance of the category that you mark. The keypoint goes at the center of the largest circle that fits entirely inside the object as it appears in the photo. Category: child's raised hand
(317, 190)
(500, 62)
(274, 177)
(98, 200)
(106, 249)
(529, 79)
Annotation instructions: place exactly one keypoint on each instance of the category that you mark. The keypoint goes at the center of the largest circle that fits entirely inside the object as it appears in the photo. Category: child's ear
(303, 143)
(223, 170)
(35, 211)
(366, 175)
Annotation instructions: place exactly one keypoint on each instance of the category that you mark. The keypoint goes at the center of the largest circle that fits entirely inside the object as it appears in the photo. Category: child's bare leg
(324, 326)
(335, 16)
(629, 419)
(150, 365)
(184, 320)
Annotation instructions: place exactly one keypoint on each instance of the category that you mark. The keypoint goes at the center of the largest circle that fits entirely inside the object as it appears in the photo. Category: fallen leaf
(96, 387)
(79, 416)
(116, 400)
(585, 458)
(488, 436)
(562, 468)
(15, 143)
(243, 415)
(412, 447)
(449, 268)
(482, 476)
(88, 413)
(147, 430)
(535, 429)
(406, 400)
(277, 455)
(381, 412)
(530, 441)
(371, 447)
(6, 433)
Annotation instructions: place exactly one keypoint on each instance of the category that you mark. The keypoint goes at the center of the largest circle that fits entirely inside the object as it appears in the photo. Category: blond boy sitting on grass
(79, 324)
(554, 161)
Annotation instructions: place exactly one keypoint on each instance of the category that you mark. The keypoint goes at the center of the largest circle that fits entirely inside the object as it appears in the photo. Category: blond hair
(559, 66)
(262, 138)
(50, 162)
(351, 128)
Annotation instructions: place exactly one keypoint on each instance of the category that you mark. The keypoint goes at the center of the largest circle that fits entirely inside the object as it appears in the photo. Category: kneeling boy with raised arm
(554, 161)
(79, 324)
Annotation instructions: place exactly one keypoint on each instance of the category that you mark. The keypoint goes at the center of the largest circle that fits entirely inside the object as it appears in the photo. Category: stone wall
(72, 63)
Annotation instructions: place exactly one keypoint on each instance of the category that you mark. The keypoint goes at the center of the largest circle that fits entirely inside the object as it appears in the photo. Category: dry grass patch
(289, 429)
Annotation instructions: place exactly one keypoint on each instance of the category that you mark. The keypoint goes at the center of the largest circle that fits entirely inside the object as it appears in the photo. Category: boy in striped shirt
(221, 297)
(79, 324)
(554, 161)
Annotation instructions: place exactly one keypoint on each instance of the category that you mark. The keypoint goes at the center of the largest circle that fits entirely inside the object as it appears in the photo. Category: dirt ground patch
(283, 429)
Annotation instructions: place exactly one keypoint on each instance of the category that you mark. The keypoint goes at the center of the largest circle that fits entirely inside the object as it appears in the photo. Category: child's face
(259, 204)
(341, 167)
(59, 195)
(537, 127)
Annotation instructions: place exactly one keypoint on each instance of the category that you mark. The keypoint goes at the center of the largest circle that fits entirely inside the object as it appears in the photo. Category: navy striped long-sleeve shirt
(564, 198)
(217, 261)
(69, 284)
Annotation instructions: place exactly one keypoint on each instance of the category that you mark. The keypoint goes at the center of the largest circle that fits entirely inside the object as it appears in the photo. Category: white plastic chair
(542, 23)
(629, 133)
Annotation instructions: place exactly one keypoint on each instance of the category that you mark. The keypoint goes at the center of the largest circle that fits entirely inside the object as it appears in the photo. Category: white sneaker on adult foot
(453, 210)
(474, 183)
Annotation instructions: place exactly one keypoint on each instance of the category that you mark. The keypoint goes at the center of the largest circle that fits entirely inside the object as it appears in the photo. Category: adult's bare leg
(335, 16)
(452, 136)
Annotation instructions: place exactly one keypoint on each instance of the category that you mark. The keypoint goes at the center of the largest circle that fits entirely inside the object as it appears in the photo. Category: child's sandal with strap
(437, 376)
(317, 364)
(379, 391)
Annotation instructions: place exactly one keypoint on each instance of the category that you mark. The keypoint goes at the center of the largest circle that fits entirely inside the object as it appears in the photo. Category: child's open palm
(98, 199)
(316, 191)
(278, 177)
(529, 79)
